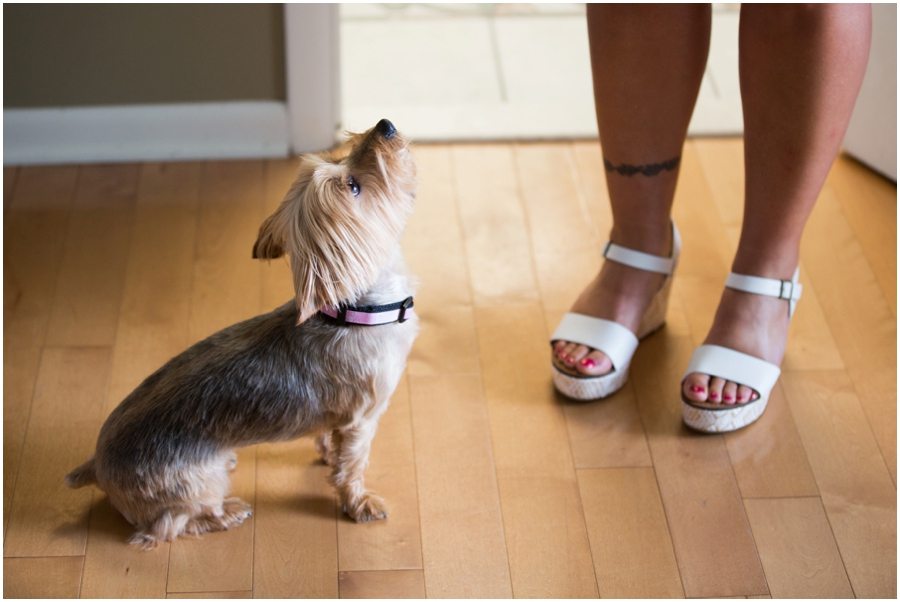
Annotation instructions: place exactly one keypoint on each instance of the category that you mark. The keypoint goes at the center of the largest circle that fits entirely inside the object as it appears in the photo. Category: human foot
(622, 292)
(619, 293)
(749, 323)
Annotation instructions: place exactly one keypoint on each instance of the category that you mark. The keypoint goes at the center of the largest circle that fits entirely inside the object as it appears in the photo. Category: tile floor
(450, 72)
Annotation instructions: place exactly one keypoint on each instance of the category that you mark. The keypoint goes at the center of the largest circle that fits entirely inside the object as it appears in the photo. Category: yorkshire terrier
(325, 363)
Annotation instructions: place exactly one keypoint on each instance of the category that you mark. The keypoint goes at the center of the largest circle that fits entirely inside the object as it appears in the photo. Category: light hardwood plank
(382, 584)
(568, 208)
(295, 539)
(705, 252)
(222, 560)
(92, 274)
(34, 235)
(722, 161)
(696, 481)
(433, 247)
(114, 569)
(42, 578)
(565, 244)
(797, 549)
(493, 225)
(700, 495)
(463, 545)
(226, 279)
(395, 543)
(632, 551)
(446, 343)
(869, 202)
(769, 459)
(153, 319)
(225, 290)
(858, 315)
(153, 327)
(547, 543)
(432, 242)
(591, 178)
(811, 344)
(217, 595)
(609, 433)
(856, 489)
(47, 518)
(295, 549)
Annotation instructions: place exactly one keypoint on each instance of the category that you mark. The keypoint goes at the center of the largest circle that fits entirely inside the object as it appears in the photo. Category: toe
(565, 356)
(744, 394)
(715, 389)
(729, 393)
(594, 363)
(696, 387)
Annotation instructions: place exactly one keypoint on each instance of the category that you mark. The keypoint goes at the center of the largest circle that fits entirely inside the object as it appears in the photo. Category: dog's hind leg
(167, 527)
(351, 446)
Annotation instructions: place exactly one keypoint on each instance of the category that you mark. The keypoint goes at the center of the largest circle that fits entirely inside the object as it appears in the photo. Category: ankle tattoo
(651, 169)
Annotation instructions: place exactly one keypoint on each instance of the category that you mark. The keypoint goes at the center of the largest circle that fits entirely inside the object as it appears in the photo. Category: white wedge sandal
(738, 367)
(613, 339)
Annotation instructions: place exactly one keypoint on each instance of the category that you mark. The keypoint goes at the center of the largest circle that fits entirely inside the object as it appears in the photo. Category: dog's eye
(354, 186)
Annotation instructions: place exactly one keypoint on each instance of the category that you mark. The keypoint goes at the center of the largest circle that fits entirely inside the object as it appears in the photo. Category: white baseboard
(162, 132)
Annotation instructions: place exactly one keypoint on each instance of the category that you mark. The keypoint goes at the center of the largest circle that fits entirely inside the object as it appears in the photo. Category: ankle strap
(790, 290)
(645, 261)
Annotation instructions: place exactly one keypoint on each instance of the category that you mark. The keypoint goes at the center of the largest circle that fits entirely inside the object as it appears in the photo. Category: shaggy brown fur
(164, 454)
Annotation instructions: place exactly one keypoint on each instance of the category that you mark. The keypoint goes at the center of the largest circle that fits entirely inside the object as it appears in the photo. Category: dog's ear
(270, 241)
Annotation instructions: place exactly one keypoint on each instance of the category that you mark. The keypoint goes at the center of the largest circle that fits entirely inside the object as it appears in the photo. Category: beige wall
(113, 54)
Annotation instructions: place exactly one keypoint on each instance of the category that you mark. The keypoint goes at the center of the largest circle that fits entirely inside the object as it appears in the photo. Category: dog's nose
(386, 128)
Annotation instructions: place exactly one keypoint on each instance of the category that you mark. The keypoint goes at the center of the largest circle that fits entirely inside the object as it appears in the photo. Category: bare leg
(801, 69)
(647, 63)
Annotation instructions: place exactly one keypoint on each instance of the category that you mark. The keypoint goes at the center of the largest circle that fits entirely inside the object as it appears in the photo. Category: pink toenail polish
(588, 362)
(562, 356)
(714, 395)
(727, 397)
(697, 389)
(740, 398)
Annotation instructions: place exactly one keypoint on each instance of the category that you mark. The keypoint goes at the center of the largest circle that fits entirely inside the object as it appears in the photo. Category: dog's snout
(386, 128)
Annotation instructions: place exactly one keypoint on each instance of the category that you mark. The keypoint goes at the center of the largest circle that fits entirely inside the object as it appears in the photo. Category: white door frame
(312, 65)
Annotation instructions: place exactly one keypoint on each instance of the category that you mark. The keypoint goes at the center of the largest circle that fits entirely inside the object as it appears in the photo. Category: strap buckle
(341, 316)
(787, 290)
(407, 303)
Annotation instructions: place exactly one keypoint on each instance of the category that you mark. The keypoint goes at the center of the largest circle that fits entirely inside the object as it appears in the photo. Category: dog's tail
(83, 475)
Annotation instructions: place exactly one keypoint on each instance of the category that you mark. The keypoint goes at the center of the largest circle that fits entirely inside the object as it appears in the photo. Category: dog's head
(342, 218)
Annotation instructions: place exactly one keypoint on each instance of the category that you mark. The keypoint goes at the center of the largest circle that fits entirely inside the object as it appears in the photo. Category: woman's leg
(647, 63)
(801, 68)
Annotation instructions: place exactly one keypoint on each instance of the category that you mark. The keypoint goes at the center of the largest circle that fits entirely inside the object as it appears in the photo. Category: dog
(324, 363)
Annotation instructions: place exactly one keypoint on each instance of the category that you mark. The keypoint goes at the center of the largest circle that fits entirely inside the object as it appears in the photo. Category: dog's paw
(144, 541)
(367, 508)
(234, 512)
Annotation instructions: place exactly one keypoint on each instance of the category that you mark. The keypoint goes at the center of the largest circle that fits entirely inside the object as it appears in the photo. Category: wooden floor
(497, 486)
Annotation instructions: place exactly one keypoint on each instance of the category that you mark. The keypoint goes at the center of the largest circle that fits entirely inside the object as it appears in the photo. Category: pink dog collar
(371, 315)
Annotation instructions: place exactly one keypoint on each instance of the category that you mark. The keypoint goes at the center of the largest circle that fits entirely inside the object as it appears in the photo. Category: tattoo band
(651, 169)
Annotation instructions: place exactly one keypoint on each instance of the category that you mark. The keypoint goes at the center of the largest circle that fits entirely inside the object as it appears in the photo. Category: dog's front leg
(350, 447)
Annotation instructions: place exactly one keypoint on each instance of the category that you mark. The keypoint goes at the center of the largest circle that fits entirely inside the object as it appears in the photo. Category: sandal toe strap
(735, 366)
(613, 339)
